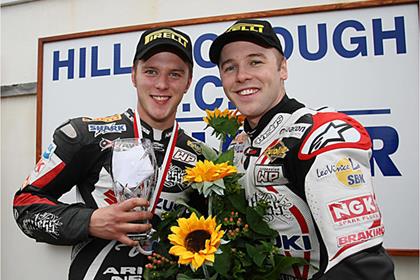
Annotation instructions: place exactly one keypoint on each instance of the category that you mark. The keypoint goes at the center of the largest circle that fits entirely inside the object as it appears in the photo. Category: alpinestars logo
(332, 131)
(332, 134)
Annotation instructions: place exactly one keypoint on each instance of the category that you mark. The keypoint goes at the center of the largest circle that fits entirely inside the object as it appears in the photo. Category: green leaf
(214, 277)
(282, 264)
(238, 201)
(257, 255)
(222, 261)
(182, 276)
(257, 223)
(226, 157)
(208, 152)
(171, 271)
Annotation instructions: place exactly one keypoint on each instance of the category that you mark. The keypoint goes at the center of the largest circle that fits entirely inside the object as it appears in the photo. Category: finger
(133, 216)
(127, 241)
(132, 203)
(136, 228)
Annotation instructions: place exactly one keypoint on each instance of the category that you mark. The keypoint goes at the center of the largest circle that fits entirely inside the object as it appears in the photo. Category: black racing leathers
(313, 169)
(80, 156)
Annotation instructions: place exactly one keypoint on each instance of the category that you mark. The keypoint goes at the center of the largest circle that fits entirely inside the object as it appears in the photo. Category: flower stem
(206, 273)
(210, 205)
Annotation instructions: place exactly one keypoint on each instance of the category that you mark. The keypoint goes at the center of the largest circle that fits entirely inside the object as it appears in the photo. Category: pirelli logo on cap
(246, 27)
(166, 33)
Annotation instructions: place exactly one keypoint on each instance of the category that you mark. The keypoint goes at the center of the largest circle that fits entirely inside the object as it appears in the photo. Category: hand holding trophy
(134, 174)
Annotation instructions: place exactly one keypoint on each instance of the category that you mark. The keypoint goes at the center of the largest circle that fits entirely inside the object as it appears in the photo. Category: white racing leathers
(313, 169)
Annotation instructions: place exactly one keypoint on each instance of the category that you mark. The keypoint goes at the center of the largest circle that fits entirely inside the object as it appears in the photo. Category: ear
(188, 84)
(283, 69)
(133, 75)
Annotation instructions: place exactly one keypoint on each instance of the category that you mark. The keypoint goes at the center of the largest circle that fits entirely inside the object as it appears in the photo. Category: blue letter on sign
(389, 137)
(197, 50)
(198, 93)
(322, 42)
(359, 41)
(398, 34)
(69, 63)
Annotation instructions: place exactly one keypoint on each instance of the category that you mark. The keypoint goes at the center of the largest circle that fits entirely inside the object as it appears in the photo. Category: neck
(156, 124)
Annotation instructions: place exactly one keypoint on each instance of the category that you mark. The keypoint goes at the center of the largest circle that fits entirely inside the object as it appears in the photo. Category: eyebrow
(171, 70)
(251, 55)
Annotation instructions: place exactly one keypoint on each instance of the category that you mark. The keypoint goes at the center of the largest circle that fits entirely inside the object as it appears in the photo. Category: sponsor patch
(269, 175)
(354, 210)
(294, 242)
(347, 171)
(145, 130)
(105, 144)
(112, 118)
(252, 152)
(100, 129)
(127, 272)
(184, 156)
(69, 131)
(294, 131)
(46, 155)
(47, 222)
(279, 150)
(278, 206)
(269, 130)
(333, 131)
(195, 146)
(361, 236)
(174, 178)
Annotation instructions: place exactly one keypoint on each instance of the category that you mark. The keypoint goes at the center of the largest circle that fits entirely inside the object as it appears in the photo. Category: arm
(341, 197)
(68, 162)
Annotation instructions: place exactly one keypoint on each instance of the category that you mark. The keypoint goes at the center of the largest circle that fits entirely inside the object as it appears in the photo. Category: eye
(255, 62)
(150, 72)
(228, 68)
(175, 75)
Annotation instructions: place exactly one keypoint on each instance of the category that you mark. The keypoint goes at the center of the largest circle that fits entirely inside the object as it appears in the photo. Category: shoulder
(333, 130)
(76, 133)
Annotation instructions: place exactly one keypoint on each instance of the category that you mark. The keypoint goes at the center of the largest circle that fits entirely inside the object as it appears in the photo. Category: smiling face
(161, 82)
(252, 77)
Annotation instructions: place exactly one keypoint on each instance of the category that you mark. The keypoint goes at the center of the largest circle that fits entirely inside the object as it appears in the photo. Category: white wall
(21, 26)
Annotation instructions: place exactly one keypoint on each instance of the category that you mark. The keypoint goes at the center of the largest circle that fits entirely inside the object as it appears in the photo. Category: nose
(242, 75)
(162, 82)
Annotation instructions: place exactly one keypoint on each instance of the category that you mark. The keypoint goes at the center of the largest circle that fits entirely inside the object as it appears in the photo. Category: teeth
(160, 98)
(247, 91)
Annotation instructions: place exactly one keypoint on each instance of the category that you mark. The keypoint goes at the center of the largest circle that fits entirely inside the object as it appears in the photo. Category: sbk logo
(354, 208)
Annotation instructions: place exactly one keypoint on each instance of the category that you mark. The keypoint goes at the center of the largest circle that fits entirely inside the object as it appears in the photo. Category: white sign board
(364, 62)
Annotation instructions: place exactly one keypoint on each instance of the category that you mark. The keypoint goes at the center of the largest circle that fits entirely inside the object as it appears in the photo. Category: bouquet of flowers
(232, 240)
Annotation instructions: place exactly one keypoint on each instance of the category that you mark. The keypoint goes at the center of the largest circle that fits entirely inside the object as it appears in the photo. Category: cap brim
(226, 38)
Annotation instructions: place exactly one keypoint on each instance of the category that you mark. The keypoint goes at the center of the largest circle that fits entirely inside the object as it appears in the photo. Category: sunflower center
(196, 240)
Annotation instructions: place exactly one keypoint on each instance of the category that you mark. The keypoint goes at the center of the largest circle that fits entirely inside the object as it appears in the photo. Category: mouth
(247, 91)
(160, 98)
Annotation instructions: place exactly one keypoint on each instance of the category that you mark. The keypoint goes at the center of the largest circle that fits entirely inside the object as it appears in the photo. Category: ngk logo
(354, 210)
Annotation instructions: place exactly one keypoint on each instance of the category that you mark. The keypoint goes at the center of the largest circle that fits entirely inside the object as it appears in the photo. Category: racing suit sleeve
(338, 189)
(38, 212)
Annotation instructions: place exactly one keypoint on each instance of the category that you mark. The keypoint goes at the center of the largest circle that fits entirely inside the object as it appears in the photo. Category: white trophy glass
(134, 174)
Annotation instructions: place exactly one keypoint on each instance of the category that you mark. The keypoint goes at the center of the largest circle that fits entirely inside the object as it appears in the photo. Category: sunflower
(207, 171)
(223, 122)
(195, 240)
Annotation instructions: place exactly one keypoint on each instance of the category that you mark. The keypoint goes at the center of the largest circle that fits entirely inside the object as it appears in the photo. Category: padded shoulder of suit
(333, 130)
